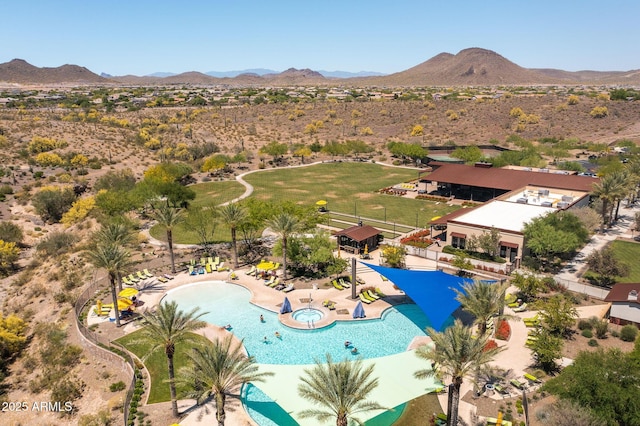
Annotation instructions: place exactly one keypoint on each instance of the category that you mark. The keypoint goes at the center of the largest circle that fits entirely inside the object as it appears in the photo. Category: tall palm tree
(115, 233)
(456, 353)
(165, 328)
(622, 183)
(233, 215)
(114, 258)
(284, 224)
(219, 370)
(168, 218)
(604, 190)
(483, 300)
(341, 389)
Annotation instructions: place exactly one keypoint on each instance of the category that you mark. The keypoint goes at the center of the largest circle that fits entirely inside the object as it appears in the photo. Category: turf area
(156, 363)
(629, 253)
(348, 188)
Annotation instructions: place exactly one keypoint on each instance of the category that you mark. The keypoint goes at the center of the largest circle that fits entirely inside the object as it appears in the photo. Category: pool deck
(516, 358)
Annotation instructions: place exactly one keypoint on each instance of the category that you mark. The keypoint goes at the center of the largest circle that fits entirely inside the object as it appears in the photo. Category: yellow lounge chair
(147, 273)
(132, 278)
(364, 299)
(343, 283)
(209, 259)
(251, 271)
(366, 296)
(270, 281)
(380, 293)
(372, 295)
(384, 278)
(275, 283)
(163, 279)
(141, 276)
(207, 267)
(336, 285)
(126, 281)
(532, 378)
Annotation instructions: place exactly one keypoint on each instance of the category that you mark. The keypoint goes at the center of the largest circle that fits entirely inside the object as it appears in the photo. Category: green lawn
(156, 364)
(349, 188)
(628, 253)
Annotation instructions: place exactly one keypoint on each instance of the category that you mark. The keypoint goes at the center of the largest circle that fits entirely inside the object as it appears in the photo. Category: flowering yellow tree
(78, 211)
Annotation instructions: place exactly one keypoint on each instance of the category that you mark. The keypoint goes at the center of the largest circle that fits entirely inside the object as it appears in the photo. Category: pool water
(229, 304)
(307, 315)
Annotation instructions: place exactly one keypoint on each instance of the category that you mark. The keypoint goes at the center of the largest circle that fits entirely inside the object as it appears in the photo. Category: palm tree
(166, 327)
(483, 300)
(340, 389)
(622, 184)
(114, 258)
(604, 191)
(457, 353)
(219, 371)
(115, 233)
(233, 215)
(168, 217)
(284, 225)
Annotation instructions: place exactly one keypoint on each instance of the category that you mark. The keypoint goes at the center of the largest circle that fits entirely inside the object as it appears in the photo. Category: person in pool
(278, 335)
(261, 318)
(347, 344)
(354, 351)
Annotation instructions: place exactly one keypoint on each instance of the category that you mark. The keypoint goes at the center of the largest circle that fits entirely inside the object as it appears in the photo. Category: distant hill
(20, 71)
(469, 67)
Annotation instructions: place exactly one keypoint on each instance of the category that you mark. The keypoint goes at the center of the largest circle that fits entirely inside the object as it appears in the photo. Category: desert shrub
(593, 342)
(118, 386)
(57, 243)
(587, 333)
(584, 324)
(67, 390)
(628, 333)
(615, 333)
(601, 329)
(102, 418)
(52, 202)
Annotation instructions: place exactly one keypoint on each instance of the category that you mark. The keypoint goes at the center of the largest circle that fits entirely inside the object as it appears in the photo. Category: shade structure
(433, 291)
(358, 312)
(266, 266)
(124, 303)
(321, 203)
(435, 218)
(286, 306)
(128, 292)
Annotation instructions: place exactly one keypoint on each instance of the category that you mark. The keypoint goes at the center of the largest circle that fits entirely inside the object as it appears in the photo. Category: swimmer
(261, 318)
(278, 335)
(354, 351)
(347, 344)
(265, 340)
(227, 327)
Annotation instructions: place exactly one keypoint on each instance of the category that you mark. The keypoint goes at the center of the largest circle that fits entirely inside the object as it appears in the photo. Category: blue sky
(142, 36)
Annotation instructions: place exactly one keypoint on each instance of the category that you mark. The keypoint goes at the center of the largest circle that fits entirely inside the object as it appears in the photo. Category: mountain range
(469, 67)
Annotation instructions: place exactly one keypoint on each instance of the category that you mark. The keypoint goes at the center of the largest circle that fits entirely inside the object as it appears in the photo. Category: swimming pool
(230, 304)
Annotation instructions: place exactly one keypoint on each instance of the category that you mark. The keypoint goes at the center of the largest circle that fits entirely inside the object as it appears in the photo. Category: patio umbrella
(266, 265)
(128, 293)
(366, 249)
(321, 203)
(124, 304)
(358, 312)
(286, 306)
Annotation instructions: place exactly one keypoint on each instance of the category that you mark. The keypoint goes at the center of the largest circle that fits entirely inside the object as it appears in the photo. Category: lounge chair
(216, 260)
(147, 273)
(532, 321)
(203, 261)
(518, 384)
(360, 281)
(289, 288)
(276, 283)
(501, 390)
(372, 295)
(192, 262)
(141, 276)
(364, 299)
(336, 285)
(343, 283)
(126, 281)
(207, 267)
(163, 279)
(269, 281)
(169, 277)
(332, 307)
(384, 278)
(133, 279)
(251, 271)
(532, 378)
(510, 298)
(191, 270)
(220, 267)
(201, 270)
(441, 419)
(521, 308)
(380, 293)
(233, 276)
(366, 296)
(209, 259)
(276, 266)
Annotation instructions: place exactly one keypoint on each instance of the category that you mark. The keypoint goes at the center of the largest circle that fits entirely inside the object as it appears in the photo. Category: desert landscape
(67, 127)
